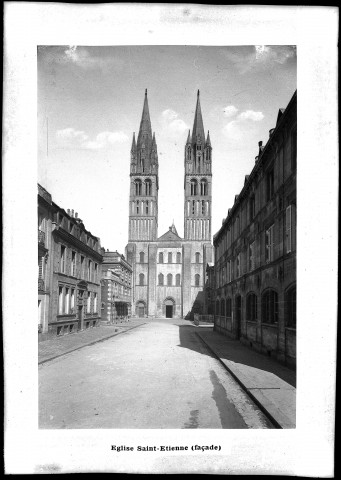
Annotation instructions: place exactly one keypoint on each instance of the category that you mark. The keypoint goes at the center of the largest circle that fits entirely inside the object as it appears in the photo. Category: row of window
(198, 207)
(170, 257)
(79, 266)
(161, 279)
(66, 300)
(118, 290)
(269, 307)
(142, 208)
(236, 227)
(72, 227)
(269, 245)
(147, 187)
(199, 188)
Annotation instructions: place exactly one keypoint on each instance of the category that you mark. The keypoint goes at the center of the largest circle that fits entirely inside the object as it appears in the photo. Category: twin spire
(146, 143)
(198, 131)
(146, 139)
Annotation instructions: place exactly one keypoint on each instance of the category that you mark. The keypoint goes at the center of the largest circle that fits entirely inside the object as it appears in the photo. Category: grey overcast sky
(90, 102)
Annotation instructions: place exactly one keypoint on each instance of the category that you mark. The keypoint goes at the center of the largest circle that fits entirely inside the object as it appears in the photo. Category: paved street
(158, 375)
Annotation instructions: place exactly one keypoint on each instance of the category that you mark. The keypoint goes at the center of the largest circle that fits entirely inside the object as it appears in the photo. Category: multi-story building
(255, 249)
(116, 287)
(46, 212)
(69, 282)
(169, 271)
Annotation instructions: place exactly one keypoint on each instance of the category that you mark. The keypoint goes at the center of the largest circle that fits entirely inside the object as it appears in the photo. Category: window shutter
(288, 223)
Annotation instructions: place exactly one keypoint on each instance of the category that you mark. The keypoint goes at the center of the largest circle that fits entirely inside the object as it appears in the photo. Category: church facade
(169, 271)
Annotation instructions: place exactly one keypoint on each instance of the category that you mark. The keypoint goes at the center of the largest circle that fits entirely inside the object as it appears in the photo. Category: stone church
(169, 271)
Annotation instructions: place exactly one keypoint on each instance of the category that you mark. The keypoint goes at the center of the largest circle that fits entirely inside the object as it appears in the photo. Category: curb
(246, 390)
(88, 344)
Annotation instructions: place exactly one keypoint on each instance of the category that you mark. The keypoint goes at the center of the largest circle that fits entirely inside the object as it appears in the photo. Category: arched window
(160, 279)
(160, 257)
(148, 187)
(217, 309)
(222, 307)
(147, 207)
(141, 278)
(138, 187)
(193, 207)
(194, 187)
(178, 257)
(290, 306)
(137, 207)
(251, 307)
(203, 187)
(197, 279)
(228, 307)
(141, 257)
(177, 279)
(203, 207)
(169, 279)
(197, 257)
(270, 307)
(170, 257)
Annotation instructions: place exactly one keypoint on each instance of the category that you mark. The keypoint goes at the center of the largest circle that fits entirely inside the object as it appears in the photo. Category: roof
(171, 235)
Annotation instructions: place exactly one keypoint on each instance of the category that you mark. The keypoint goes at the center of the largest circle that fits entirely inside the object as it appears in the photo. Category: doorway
(168, 308)
(141, 309)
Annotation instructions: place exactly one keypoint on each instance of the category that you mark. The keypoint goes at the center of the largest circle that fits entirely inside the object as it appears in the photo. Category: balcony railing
(41, 237)
(41, 284)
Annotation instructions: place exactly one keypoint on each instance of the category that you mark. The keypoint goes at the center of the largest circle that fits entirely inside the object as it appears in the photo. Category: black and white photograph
(167, 187)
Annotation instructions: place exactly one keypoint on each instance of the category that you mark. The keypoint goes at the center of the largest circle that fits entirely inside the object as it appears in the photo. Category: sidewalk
(271, 385)
(56, 347)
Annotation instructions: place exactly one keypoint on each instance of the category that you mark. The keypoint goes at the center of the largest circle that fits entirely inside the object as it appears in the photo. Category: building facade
(69, 271)
(255, 249)
(169, 271)
(116, 287)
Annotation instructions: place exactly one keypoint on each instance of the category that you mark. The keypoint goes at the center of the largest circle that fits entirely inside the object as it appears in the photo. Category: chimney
(68, 211)
(76, 214)
(72, 212)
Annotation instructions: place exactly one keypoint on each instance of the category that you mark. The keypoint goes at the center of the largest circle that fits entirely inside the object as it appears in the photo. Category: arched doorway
(141, 309)
(169, 304)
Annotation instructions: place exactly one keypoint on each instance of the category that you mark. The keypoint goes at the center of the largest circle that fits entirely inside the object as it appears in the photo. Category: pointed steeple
(208, 140)
(133, 145)
(145, 132)
(198, 126)
(189, 138)
(173, 229)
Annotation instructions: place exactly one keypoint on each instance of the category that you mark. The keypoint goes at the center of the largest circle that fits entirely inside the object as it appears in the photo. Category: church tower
(144, 182)
(198, 181)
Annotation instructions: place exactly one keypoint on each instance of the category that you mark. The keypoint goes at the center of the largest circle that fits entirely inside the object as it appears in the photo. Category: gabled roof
(169, 236)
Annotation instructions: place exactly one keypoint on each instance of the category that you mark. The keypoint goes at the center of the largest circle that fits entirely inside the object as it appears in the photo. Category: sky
(90, 102)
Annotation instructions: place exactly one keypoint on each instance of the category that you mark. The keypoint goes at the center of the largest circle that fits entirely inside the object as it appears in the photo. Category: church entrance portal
(141, 309)
(169, 307)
